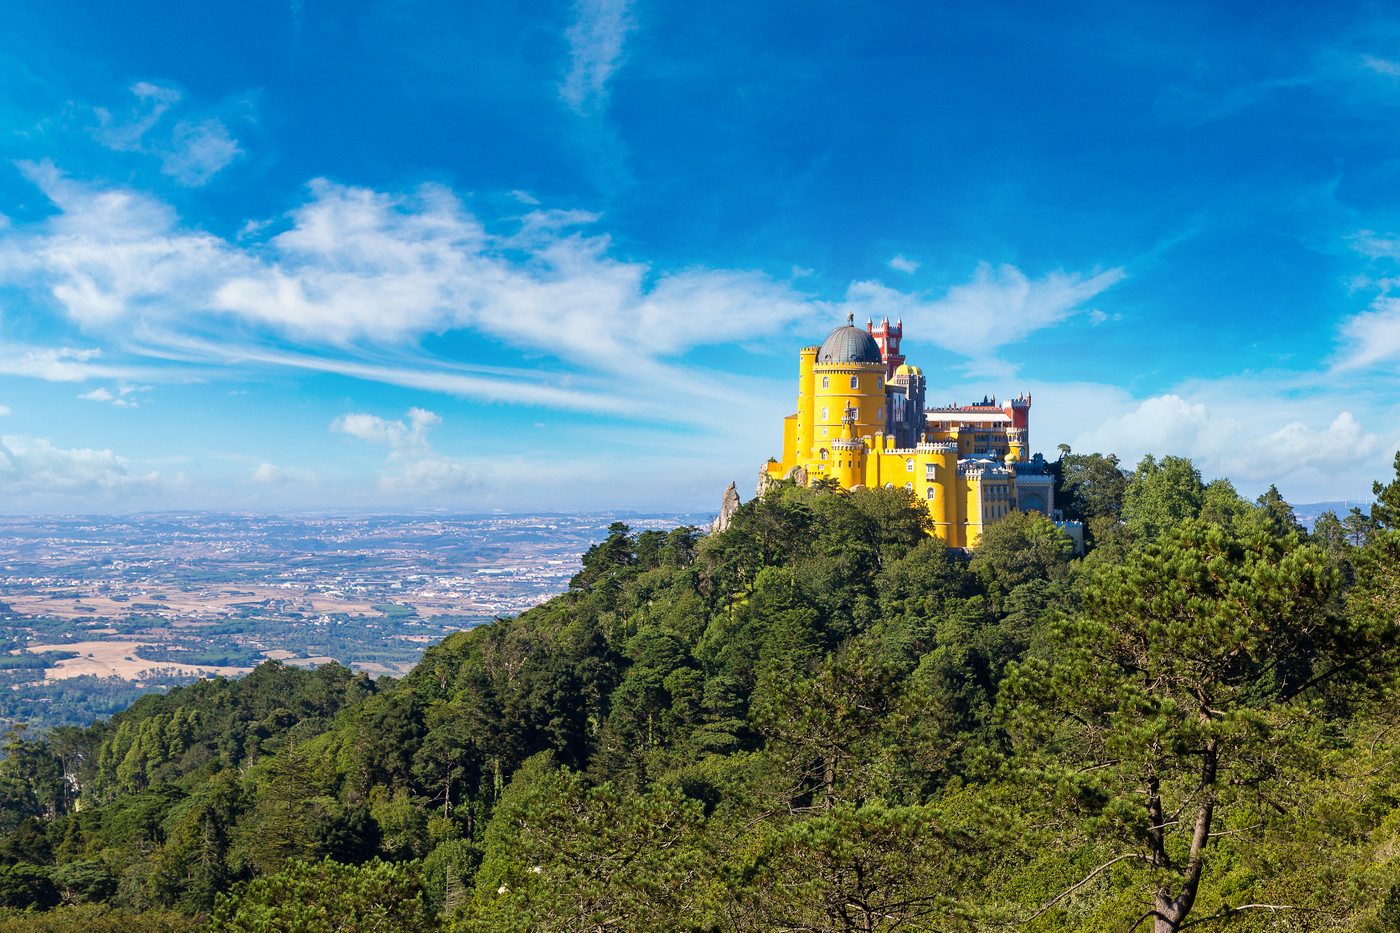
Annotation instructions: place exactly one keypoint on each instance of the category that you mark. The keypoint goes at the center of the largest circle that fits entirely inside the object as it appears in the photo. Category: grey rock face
(727, 507)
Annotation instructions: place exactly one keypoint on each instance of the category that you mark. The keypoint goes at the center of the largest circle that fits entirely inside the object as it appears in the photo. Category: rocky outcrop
(727, 507)
(767, 482)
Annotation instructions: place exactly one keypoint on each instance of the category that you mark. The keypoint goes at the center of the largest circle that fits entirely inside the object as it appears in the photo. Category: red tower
(887, 338)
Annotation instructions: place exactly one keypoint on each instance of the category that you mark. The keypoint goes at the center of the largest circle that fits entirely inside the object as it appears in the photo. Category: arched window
(825, 416)
(909, 464)
(928, 494)
(880, 413)
(826, 382)
(855, 382)
(823, 453)
(908, 487)
(889, 485)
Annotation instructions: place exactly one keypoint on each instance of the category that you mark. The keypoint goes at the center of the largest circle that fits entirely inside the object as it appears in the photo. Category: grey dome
(849, 344)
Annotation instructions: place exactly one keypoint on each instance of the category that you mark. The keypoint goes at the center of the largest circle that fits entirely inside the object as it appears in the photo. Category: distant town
(96, 610)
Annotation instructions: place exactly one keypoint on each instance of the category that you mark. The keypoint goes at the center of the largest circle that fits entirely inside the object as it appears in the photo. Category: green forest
(818, 719)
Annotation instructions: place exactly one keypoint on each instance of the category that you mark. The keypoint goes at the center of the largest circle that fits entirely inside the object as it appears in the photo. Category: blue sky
(562, 255)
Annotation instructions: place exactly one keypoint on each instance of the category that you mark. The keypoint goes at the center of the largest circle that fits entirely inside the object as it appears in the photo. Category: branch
(1378, 737)
(1234, 910)
(1085, 880)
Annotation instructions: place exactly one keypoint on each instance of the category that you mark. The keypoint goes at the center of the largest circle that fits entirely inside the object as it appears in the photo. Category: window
(826, 382)
(823, 453)
(908, 487)
(929, 470)
(823, 432)
(855, 382)
(825, 416)
(909, 464)
(880, 413)
(879, 382)
(889, 485)
(928, 494)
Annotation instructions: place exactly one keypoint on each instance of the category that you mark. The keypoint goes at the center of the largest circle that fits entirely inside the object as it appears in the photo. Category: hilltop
(818, 718)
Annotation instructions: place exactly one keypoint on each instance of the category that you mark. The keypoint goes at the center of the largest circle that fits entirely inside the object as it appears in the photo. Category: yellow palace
(861, 421)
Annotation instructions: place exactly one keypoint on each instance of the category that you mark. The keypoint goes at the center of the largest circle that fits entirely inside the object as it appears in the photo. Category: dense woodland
(818, 719)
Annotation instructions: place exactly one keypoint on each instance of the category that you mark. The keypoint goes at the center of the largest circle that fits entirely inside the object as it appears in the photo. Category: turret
(848, 452)
(1019, 411)
(887, 338)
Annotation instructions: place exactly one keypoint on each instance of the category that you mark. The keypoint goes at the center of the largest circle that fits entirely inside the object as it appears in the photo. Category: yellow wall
(806, 380)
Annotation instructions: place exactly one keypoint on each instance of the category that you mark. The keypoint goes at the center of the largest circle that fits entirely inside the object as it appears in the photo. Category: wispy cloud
(122, 397)
(1383, 66)
(198, 149)
(902, 264)
(1000, 306)
(353, 281)
(596, 37)
(191, 152)
(414, 468)
(1372, 337)
(55, 364)
(128, 134)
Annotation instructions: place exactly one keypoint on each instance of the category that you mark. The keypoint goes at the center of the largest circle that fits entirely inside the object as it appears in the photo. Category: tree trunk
(1171, 909)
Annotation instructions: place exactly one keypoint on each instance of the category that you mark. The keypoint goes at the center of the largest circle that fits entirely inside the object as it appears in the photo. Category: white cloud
(595, 39)
(1254, 435)
(191, 152)
(127, 135)
(409, 434)
(197, 151)
(30, 465)
(270, 474)
(414, 468)
(1372, 336)
(352, 280)
(358, 266)
(999, 306)
(524, 197)
(52, 364)
(901, 264)
(122, 398)
(4, 410)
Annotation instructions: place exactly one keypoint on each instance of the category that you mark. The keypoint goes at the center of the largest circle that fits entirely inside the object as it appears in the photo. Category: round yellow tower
(848, 372)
